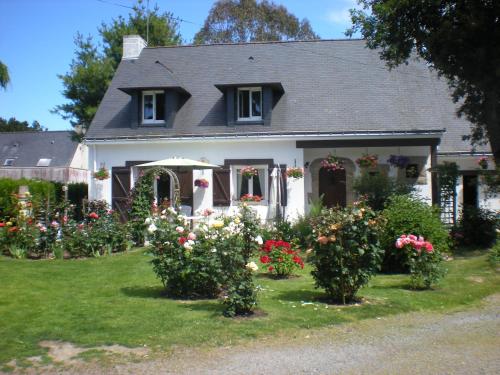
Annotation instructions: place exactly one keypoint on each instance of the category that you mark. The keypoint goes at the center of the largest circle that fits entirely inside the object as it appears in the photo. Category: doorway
(470, 191)
(332, 186)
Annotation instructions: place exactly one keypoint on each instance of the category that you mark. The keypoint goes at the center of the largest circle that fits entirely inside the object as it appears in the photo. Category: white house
(272, 106)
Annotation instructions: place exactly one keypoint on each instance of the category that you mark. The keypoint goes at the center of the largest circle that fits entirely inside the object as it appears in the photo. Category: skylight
(8, 162)
(43, 162)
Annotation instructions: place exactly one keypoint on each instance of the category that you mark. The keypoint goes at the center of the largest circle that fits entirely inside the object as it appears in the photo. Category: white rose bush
(209, 261)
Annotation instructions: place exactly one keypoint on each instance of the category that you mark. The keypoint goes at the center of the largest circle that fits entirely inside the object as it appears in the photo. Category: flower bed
(250, 198)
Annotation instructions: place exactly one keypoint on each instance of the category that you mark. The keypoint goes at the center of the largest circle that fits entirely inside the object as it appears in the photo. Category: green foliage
(99, 234)
(494, 255)
(347, 252)
(43, 193)
(238, 21)
(449, 36)
(378, 187)
(241, 295)
(4, 75)
(13, 125)
(91, 70)
(407, 214)
(17, 252)
(476, 227)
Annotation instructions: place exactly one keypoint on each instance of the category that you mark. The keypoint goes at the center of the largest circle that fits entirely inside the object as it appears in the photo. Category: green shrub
(346, 252)
(476, 227)
(407, 214)
(494, 255)
(378, 187)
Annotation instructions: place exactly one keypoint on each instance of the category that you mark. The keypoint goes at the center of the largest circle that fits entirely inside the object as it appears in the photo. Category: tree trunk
(492, 123)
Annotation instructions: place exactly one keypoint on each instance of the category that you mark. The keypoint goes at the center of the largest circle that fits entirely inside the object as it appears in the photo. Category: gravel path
(466, 342)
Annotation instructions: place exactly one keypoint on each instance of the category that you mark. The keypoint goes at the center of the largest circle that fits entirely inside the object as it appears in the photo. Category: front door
(332, 186)
(470, 190)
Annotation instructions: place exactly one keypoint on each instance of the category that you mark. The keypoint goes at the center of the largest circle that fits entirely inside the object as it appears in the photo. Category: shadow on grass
(213, 308)
(145, 292)
(300, 295)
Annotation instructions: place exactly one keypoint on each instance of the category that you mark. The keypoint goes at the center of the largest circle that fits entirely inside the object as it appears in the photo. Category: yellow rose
(217, 224)
(237, 220)
(8, 223)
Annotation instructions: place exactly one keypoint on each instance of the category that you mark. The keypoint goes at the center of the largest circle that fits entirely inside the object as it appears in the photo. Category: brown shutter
(221, 187)
(284, 192)
(120, 191)
(186, 187)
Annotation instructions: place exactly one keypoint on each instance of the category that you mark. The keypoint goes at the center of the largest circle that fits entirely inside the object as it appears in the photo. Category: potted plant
(249, 171)
(101, 174)
(295, 172)
(398, 161)
(367, 161)
(332, 163)
(201, 183)
(483, 162)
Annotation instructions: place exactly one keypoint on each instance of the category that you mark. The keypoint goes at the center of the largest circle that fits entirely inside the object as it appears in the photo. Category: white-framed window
(8, 162)
(153, 107)
(257, 185)
(250, 104)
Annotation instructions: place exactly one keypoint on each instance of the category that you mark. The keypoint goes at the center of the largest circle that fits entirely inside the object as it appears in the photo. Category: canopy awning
(179, 162)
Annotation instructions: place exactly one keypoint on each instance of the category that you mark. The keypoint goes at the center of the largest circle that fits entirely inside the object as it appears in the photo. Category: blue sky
(36, 42)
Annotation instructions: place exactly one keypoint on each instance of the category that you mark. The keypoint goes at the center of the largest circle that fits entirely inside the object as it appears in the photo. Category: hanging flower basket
(398, 161)
(367, 161)
(295, 172)
(332, 163)
(483, 162)
(249, 172)
(250, 198)
(201, 183)
(101, 174)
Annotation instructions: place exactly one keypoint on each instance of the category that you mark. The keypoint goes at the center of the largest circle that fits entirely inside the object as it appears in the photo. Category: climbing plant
(143, 198)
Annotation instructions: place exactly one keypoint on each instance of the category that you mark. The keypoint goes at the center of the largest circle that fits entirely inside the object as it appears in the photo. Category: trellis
(448, 174)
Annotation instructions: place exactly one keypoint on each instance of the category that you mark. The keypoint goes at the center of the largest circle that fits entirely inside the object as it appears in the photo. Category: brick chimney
(132, 46)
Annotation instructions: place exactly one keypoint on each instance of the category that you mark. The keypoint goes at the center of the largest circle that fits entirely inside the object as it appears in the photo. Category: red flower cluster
(250, 198)
(277, 251)
(2, 225)
(417, 243)
(367, 161)
(182, 240)
(93, 215)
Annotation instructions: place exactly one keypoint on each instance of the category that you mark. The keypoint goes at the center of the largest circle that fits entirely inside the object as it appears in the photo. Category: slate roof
(26, 148)
(330, 86)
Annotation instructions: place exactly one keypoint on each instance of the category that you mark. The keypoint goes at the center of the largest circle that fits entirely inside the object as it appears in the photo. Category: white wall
(212, 151)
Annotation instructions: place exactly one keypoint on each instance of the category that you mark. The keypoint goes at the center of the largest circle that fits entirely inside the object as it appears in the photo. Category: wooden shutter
(120, 191)
(186, 184)
(221, 187)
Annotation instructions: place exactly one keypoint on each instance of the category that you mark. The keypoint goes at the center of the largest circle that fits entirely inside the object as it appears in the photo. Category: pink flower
(399, 243)
(417, 245)
(93, 215)
(412, 237)
(421, 239)
(428, 247)
(179, 229)
(191, 236)
(54, 224)
(406, 241)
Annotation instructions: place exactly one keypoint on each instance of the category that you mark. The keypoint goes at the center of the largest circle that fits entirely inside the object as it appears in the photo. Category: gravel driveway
(465, 342)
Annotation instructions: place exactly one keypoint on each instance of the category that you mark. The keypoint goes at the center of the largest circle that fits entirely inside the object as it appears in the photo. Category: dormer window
(250, 104)
(153, 107)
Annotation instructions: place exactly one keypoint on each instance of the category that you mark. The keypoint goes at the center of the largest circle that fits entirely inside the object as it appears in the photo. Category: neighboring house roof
(330, 86)
(27, 148)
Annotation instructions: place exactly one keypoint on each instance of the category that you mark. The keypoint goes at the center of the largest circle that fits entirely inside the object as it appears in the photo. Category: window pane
(148, 107)
(256, 104)
(244, 104)
(244, 186)
(160, 106)
(257, 190)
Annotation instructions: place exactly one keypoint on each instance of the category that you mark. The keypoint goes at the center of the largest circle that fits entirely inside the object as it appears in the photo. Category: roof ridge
(37, 132)
(258, 42)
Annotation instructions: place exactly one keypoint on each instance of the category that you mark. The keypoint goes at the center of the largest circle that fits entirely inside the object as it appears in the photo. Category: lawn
(118, 300)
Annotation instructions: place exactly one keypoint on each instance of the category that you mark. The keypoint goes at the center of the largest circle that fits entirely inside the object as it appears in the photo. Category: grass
(118, 300)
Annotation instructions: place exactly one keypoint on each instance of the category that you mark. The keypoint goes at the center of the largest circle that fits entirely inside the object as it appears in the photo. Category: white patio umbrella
(179, 162)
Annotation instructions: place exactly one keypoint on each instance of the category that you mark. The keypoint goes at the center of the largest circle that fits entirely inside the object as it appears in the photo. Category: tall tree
(92, 68)
(235, 21)
(13, 125)
(4, 75)
(458, 38)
